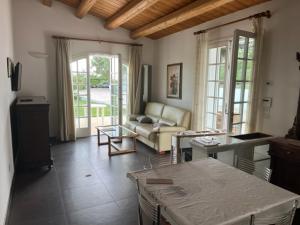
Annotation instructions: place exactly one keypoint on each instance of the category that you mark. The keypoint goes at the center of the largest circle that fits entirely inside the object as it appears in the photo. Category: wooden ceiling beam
(192, 10)
(84, 7)
(129, 11)
(47, 2)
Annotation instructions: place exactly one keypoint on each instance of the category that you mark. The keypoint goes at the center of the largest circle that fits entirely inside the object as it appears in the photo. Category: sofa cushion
(154, 109)
(173, 114)
(146, 130)
(131, 125)
(144, 119)
(167, 122)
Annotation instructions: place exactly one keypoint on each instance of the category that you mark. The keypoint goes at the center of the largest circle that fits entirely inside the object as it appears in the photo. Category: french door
(81, 96)
(229, 83)
(97, 93)
(216, 94)
(115, 91)
(243, 58)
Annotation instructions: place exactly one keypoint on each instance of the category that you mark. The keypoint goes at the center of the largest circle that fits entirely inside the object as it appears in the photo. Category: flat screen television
(16, 78)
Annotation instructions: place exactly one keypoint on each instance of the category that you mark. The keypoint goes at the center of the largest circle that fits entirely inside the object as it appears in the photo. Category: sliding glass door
(97, 92)
(241, 81)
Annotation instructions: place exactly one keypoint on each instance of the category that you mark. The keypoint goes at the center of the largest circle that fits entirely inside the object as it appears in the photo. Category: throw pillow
(144, 119)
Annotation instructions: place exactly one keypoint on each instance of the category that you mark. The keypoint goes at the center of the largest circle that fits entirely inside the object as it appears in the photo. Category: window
(215, 86)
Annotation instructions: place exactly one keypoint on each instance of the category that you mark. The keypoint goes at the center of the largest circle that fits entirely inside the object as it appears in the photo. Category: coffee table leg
(98, 134)
(109, 146)
(134, 144)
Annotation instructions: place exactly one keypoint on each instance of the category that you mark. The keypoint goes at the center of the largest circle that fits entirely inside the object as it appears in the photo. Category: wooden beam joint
(191, 10)
(47, 2)
(129, 11)
(84, 7)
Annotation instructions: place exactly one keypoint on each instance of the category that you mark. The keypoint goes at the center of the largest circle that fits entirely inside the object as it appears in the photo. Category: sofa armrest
(170, 129)
(133, 117)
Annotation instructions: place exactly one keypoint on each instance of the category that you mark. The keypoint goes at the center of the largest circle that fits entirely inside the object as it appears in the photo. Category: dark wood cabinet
(285, 165)
(32, 132)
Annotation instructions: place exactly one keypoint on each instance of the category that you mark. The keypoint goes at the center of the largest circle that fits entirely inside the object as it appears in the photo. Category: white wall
(34, 24)
(6, 97)
(279, 64)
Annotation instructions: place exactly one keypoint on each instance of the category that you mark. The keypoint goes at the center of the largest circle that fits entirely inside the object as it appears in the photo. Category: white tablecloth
(208, 192)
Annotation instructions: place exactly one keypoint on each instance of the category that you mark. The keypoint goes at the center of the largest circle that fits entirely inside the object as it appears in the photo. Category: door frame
(86, 132)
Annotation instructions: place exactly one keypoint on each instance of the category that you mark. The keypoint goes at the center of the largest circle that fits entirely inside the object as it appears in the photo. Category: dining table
(209, 192)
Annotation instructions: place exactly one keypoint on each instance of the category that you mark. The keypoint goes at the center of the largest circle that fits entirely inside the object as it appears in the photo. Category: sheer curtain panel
(200, 80)
(64, 91)
(135, 79)
(256, 94)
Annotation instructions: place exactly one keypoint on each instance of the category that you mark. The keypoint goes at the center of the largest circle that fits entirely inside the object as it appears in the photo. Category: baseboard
(8, 209)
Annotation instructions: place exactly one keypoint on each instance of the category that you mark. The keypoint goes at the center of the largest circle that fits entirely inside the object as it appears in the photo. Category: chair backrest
(245, 165)
(248, 166)
(267, 173)
(160, 160)
(148, 208)
(286, 218)
(157, 161)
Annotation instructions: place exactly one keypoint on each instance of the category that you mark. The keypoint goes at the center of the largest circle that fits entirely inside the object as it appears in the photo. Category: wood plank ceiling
(156, 18)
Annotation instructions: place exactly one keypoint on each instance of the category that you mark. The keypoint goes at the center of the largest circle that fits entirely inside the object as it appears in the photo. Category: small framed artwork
(174, 80)
(10, 67)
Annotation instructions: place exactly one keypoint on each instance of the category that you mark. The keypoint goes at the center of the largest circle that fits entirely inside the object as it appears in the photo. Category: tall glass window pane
(216, 77)
(212, 56)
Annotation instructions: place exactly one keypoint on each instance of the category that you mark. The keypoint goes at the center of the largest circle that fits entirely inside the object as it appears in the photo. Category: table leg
(109, 146)
(134, 143)
(98, 134)
(179, 151)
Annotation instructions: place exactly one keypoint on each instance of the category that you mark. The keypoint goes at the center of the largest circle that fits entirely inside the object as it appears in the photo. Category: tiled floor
(85, 187)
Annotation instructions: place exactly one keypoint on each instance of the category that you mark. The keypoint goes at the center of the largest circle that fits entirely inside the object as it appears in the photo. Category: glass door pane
(79, 70)
(99, 91)
(215, 86)
(115, 90)
(242, 81)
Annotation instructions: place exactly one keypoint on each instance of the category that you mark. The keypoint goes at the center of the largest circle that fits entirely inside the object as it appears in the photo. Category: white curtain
(64, 91)
(135, 79)
(255, 114)
(200, 81)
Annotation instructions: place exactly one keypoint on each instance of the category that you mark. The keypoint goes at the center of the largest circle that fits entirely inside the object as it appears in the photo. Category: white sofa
(166, 120)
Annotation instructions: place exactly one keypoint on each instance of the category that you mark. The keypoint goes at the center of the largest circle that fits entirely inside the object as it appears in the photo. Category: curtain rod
(96, 40)
(266, 14)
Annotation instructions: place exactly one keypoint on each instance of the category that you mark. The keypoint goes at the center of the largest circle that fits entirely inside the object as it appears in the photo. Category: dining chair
(248, 166)
(156, 161)
(285, 218)
(245, 165)
(267, 173)
(149, 209)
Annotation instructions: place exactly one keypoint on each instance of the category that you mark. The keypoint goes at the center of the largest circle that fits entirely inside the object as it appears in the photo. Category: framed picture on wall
(174, 80)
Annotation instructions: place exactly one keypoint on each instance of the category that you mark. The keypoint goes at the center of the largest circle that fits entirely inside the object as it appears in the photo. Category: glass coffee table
(116, 135)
